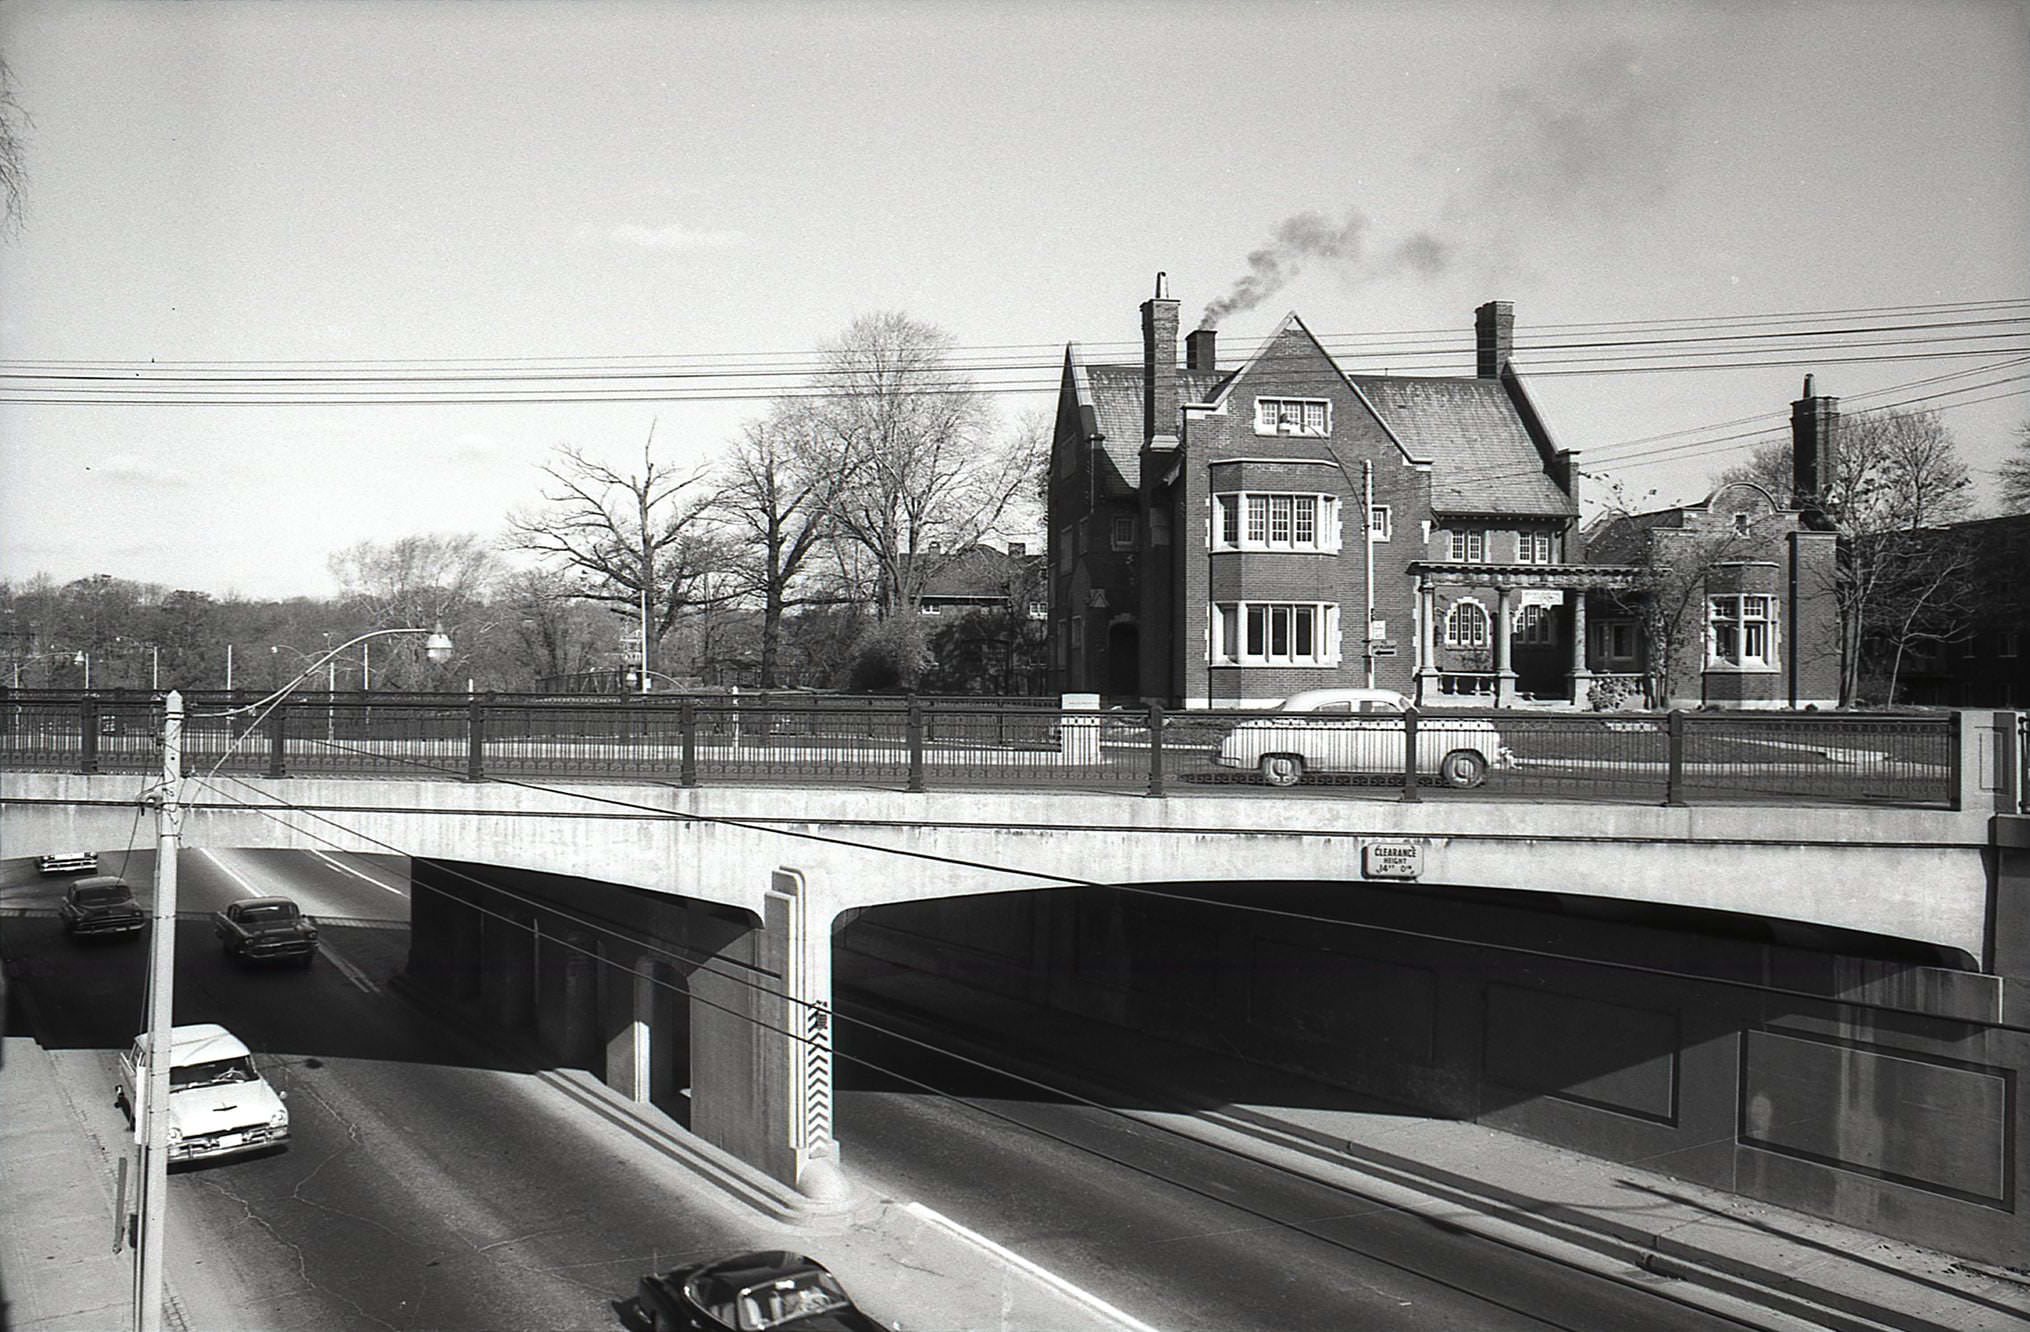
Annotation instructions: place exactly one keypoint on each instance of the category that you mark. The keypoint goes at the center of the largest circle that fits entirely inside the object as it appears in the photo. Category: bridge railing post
(88, 734)
(913, 729)
(687, 738)
(475, 737)
(1410, 791)
(1955, 740)
(1155, 748)
(278, 739)
(1674, 768)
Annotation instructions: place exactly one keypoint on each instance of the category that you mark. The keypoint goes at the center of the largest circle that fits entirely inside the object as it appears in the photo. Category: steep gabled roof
(1483, 458)
(1114, 392)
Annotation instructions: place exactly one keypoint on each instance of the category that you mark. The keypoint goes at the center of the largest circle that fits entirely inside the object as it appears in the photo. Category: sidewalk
(57, 1227)
(1563, 1206)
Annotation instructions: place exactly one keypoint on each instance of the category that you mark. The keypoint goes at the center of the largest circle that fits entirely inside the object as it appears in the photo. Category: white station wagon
(1360, 731)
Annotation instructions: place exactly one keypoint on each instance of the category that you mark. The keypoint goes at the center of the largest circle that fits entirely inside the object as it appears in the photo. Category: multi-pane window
(1466, 625)
(1616, 640)
(1253, 521)
(1123, 535)
(1535, 625)
(1469, 545)
(1533, 547)
(1293, 416)
(1740, 629)
(1378, 522)
(1258, 633)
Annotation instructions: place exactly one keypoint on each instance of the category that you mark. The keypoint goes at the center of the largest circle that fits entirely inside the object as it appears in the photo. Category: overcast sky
(324, 183)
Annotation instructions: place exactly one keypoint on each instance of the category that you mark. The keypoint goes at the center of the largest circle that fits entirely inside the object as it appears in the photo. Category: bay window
(1740, 630)
(1274, 633)
(1251, 520)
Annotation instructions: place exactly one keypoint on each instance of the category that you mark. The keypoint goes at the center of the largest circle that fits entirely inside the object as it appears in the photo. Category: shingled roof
(1114, 392)
(1483, 460)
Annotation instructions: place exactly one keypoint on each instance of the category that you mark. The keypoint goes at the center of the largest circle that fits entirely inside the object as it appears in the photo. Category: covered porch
(1544, 602)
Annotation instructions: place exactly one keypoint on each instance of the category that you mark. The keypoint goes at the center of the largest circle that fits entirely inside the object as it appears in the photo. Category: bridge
(1790, 956)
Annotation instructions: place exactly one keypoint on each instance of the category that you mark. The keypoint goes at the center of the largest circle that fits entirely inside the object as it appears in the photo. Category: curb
(1713, 1282)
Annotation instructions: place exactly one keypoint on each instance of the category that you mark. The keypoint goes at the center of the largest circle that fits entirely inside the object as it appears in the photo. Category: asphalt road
(430, 1186)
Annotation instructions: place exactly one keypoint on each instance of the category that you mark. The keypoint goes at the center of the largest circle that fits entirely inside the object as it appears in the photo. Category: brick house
(1987, 663)
(1228, 536)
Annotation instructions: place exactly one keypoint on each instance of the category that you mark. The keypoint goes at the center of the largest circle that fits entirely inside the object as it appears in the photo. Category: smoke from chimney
(1309, 236)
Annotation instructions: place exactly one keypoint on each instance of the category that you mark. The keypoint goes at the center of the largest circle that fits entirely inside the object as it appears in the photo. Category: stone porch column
(1427, 655)
(1504, 670)
(1582, 679)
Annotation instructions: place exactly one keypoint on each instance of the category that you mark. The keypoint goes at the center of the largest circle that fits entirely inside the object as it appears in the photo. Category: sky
(274, 190)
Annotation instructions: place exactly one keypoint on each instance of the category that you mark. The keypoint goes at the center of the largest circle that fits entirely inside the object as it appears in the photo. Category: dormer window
(1307, 417)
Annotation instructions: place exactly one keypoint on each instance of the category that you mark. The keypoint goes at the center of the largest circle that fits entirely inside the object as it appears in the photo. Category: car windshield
(775, 1303)
(268, 913)
(106, 896)
(237, 1069)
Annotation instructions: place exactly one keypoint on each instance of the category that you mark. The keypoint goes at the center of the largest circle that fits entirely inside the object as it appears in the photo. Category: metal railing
(918, 744)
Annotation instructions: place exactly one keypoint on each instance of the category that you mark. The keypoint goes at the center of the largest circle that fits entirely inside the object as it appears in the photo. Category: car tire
(1282, 769)
(1463, 768)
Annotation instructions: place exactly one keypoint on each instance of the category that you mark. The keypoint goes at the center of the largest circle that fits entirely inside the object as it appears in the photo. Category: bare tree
(905, 447)
(776, 507)
(14, 124)
(633, 542)
(2016, 474)
(419, 582)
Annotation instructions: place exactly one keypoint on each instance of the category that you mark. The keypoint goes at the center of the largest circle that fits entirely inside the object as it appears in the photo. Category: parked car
(754, 1292)
(265, 929)
(219, 1105)
(1360, 731)
(69, 862)
(99, 906)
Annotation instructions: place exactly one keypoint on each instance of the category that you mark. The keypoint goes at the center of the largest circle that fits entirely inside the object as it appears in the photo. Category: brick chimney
(1493, 338)
(1159, 368)
(1198, 348)
(1813, 420)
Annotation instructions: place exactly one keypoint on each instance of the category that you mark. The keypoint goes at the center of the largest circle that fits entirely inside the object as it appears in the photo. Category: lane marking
(1076, 1294)
(343, 868)
(234, 874)
(349, 971)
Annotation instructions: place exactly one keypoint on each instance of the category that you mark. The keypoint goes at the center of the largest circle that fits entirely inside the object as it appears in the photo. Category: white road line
(343, 868)
(233, 874)
(349, 971)
(1057, 1283)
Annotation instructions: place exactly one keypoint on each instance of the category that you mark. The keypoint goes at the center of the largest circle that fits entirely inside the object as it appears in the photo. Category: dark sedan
(754, 1292)
(101, 905)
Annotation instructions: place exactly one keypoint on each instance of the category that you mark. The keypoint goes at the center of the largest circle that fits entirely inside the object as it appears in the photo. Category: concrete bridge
(674, 938)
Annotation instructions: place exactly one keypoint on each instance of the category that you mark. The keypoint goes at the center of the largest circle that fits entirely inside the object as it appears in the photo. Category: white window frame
(1267, 633)
(1535, 626)
(1380, 522)
(1115, 537)
(1741, 631)
(1533, 548)
(1468, 545)
(1609, 632)
(1458, 614)
(1305, 418)
(1260, 514)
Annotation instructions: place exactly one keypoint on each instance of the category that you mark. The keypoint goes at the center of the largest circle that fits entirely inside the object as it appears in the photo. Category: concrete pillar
(444, 932)
(627, 1010)
(567, 988)
(669, 1065)
(1504, 669)
(761, 1043)
(507, 976)
(1427, 640)
(1582, 679)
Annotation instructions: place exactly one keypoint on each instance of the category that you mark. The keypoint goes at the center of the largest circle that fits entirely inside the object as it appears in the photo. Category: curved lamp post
(151, 1117)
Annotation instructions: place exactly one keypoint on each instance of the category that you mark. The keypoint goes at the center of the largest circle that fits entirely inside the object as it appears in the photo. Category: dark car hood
(110, 909)
(294, 927)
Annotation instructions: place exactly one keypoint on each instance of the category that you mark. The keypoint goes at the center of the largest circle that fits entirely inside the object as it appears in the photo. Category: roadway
(422, 1187)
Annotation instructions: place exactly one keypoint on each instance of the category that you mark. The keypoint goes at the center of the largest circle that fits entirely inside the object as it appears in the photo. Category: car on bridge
(101, 906)
(754, 1292)
(265, 929)
(1360, 732)
(68, 862)
(219, 1104)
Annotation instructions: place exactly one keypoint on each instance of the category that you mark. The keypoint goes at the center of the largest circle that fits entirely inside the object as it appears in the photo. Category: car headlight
(280, 1119)
(175, 1135)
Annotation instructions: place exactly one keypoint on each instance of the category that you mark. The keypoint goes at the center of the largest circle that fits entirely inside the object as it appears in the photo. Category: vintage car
(219, 1105)
(1360, 731)
(100, 906)
(754, 1292)
(265, 929)
(68, 862)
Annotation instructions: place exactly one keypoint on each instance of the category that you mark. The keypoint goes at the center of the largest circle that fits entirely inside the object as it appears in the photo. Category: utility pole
(151, 1117)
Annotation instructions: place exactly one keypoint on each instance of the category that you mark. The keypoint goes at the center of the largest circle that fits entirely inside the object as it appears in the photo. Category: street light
(151, 1117)
(84, 659)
